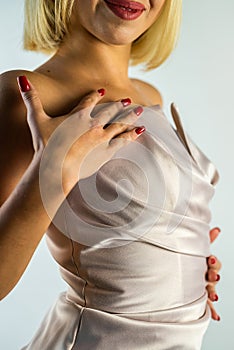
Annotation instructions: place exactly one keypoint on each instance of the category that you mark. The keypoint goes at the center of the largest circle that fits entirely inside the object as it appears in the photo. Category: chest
(58, 100)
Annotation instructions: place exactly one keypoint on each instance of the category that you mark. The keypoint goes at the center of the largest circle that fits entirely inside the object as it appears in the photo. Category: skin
(95, 54)
(214, 266)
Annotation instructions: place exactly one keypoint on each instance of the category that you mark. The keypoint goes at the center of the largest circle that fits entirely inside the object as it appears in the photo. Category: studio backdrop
(198, 77)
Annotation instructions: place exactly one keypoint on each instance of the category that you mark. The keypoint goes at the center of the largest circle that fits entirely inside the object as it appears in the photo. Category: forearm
(23, 222)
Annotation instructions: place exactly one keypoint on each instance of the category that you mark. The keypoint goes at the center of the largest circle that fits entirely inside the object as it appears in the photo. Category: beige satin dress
(133, 248)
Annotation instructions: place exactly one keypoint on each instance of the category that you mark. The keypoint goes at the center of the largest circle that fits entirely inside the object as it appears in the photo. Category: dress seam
(74, 344)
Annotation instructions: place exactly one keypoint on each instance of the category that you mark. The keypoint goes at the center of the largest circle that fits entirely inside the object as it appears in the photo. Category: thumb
(30, 97)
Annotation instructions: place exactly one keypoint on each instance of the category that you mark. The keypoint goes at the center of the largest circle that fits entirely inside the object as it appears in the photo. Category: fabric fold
(131, 242)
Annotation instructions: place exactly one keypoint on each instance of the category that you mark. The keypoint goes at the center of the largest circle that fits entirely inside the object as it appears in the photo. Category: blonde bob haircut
(47, 22)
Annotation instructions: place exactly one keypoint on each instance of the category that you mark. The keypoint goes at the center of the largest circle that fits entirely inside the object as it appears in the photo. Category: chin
(119, 42)
(119, 38)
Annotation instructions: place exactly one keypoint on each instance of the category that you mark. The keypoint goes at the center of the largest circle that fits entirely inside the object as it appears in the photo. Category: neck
(83, 55)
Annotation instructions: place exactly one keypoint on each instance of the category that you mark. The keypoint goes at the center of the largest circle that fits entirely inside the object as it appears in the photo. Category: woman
(106, 303)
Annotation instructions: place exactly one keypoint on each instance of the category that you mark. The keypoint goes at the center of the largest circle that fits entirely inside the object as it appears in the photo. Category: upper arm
(16, 149)
(150, 92)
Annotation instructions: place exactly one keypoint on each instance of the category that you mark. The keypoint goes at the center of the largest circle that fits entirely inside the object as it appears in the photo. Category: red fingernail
(217, 278)
(212, 261)
(140, 130)
(218, 318)
(138, 110)
(101, 92)
(217, 229)
(215, 297)
(126, 102)
(24, 84)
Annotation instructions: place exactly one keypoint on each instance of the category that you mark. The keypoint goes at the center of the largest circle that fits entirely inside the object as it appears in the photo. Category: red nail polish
(212, 261)
(215, 297)
(217, 278)
(126, 102)
(102, 92)
(24, 84)
(217, 229)
(138, 110)
(218, 318)
(140, 130)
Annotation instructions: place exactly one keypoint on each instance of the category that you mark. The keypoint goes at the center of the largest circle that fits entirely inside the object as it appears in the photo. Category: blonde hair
(47, 22)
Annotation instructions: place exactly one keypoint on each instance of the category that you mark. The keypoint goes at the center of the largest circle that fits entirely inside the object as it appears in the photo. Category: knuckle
(97, 130)
(82, 114)
(95, 123)
(121, 141)
(132, 115)
(87, 101)
(122, 125)
(30, 97)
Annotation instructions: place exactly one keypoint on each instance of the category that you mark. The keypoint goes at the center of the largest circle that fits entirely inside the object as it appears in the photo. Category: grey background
(199, 78)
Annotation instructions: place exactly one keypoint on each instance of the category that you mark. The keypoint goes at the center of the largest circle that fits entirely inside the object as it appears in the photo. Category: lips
(124, 9)
(132, 5)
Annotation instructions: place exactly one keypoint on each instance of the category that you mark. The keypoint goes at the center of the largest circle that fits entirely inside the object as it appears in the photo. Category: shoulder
(11, 103)
(13, 115)
(151, 92)
(10, 98)
(15, 136)
(8, 80)
(13, 119)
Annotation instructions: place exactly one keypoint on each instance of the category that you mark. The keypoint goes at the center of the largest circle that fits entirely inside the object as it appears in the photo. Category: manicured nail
(126, 102)
(214, 297)
(140, 130)
(212, 261)
(218, 318)
(217, 278)
(24, 84)
(217, 229)
(101, 92)
(138, 110)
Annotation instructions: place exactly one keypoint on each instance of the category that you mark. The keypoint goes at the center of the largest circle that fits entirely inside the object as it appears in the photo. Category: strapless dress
(131, 242)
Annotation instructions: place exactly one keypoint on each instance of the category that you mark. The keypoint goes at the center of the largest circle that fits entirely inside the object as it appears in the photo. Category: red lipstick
(128, 10)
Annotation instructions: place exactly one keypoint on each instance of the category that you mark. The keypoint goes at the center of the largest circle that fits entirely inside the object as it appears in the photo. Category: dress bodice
(131, 242)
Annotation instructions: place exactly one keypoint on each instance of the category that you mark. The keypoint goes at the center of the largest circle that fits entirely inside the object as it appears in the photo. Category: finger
(212, 292)
(88, 102)
(125, 138)
(30, 97)
(123, 123)
(110, 111)
(214, 263)
(212, 276)
(214, 314)
(213, 296)
(214, 233)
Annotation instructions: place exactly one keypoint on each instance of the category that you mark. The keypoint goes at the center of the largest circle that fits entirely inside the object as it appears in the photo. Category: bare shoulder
(15, 136)
(12, 107)
(11, 75)
(10, 97)
(151, 92)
